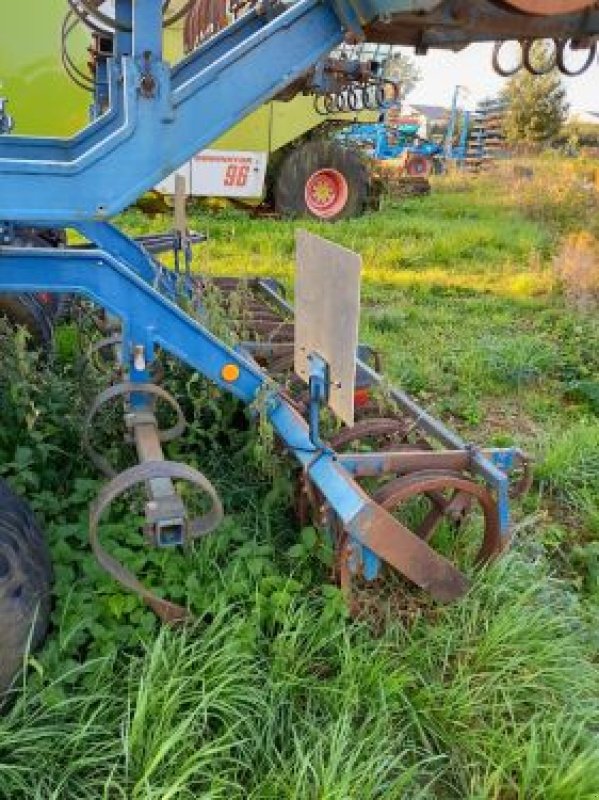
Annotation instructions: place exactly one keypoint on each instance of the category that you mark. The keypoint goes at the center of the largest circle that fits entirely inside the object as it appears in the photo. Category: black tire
(25, 579)
(307, 159)
(29, 311)
(36, 312)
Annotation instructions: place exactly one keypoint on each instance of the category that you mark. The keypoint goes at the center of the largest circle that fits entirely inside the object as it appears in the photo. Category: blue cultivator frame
(156, 119)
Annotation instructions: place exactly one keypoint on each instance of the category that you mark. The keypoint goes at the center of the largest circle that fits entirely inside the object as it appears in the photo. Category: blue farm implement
(149, 118)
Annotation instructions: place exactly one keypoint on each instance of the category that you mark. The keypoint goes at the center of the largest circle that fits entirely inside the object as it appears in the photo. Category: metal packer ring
(561, 58)
(503, 72)
(120, 390)
(527, 58)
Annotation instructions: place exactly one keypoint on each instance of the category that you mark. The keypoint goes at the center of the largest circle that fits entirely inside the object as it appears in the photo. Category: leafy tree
(400, 67)
(536, 104)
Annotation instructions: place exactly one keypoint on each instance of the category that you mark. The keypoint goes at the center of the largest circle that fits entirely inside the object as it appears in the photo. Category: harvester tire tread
(28, 311)
(36, 313)
(306, 159)
(25, 580)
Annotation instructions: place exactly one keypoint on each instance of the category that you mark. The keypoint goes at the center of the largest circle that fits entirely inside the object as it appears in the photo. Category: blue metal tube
(151, 320)
(123, 40)
(111, 239)
(147, 30)
(480, 464)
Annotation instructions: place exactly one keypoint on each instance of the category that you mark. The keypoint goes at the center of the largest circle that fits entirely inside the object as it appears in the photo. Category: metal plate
(327, 311)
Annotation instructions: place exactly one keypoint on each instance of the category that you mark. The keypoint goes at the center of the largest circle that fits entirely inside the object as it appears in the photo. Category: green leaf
(309, 537)
(297, 551)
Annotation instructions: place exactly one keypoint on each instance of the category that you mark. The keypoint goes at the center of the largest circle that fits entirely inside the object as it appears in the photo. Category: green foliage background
(537, 105)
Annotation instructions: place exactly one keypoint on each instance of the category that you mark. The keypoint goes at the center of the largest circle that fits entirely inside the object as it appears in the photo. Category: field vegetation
(275, 693)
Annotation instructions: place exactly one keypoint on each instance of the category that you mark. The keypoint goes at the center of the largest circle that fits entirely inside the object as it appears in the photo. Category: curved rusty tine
(394, 543)
(99, 346)
(407, 487)
(114, 340)
(430, 523)
(377, 529)
(456, 509)
(124, 390)
(201, 526)
(368, 428)
(590, 45)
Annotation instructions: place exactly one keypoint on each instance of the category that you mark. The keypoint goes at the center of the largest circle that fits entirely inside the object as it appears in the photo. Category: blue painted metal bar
(152, 135)
(147, 30)
(149, 320)
(109, 238)
(486, 467)
(123, 39)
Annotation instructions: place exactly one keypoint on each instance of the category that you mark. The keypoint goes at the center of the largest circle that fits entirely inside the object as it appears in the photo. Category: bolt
(147, 85)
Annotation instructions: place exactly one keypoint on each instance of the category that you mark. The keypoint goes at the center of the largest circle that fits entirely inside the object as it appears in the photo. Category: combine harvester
(150, 117)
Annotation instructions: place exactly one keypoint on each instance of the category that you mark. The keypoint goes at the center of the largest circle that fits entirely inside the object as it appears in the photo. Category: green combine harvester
(291, 161)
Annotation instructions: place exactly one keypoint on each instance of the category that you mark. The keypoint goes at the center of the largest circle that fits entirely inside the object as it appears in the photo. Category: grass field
(276, 694)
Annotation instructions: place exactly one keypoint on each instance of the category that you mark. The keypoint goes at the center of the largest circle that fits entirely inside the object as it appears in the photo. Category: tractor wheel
(418, 166)
(31, 312)
(25, 577)
(323, 180)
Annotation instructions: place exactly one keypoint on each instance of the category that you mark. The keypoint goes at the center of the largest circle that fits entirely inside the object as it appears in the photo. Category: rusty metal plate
(327, 311)
(549, 7)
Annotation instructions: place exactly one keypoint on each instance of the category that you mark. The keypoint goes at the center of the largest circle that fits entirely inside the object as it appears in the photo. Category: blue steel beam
(111, 163)
(150, 320)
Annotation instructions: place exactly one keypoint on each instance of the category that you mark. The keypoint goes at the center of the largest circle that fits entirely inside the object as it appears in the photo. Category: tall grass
(497, 698)
(569, 470)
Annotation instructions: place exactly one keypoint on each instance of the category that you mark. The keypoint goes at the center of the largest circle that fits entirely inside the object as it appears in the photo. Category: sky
(471, 68)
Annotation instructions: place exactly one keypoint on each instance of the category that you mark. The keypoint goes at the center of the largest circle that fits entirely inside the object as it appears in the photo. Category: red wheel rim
(326, 193)
(417, 166)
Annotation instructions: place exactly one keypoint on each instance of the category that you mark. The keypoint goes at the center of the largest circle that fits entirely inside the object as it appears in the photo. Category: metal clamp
(318, 387)
(197, 528)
